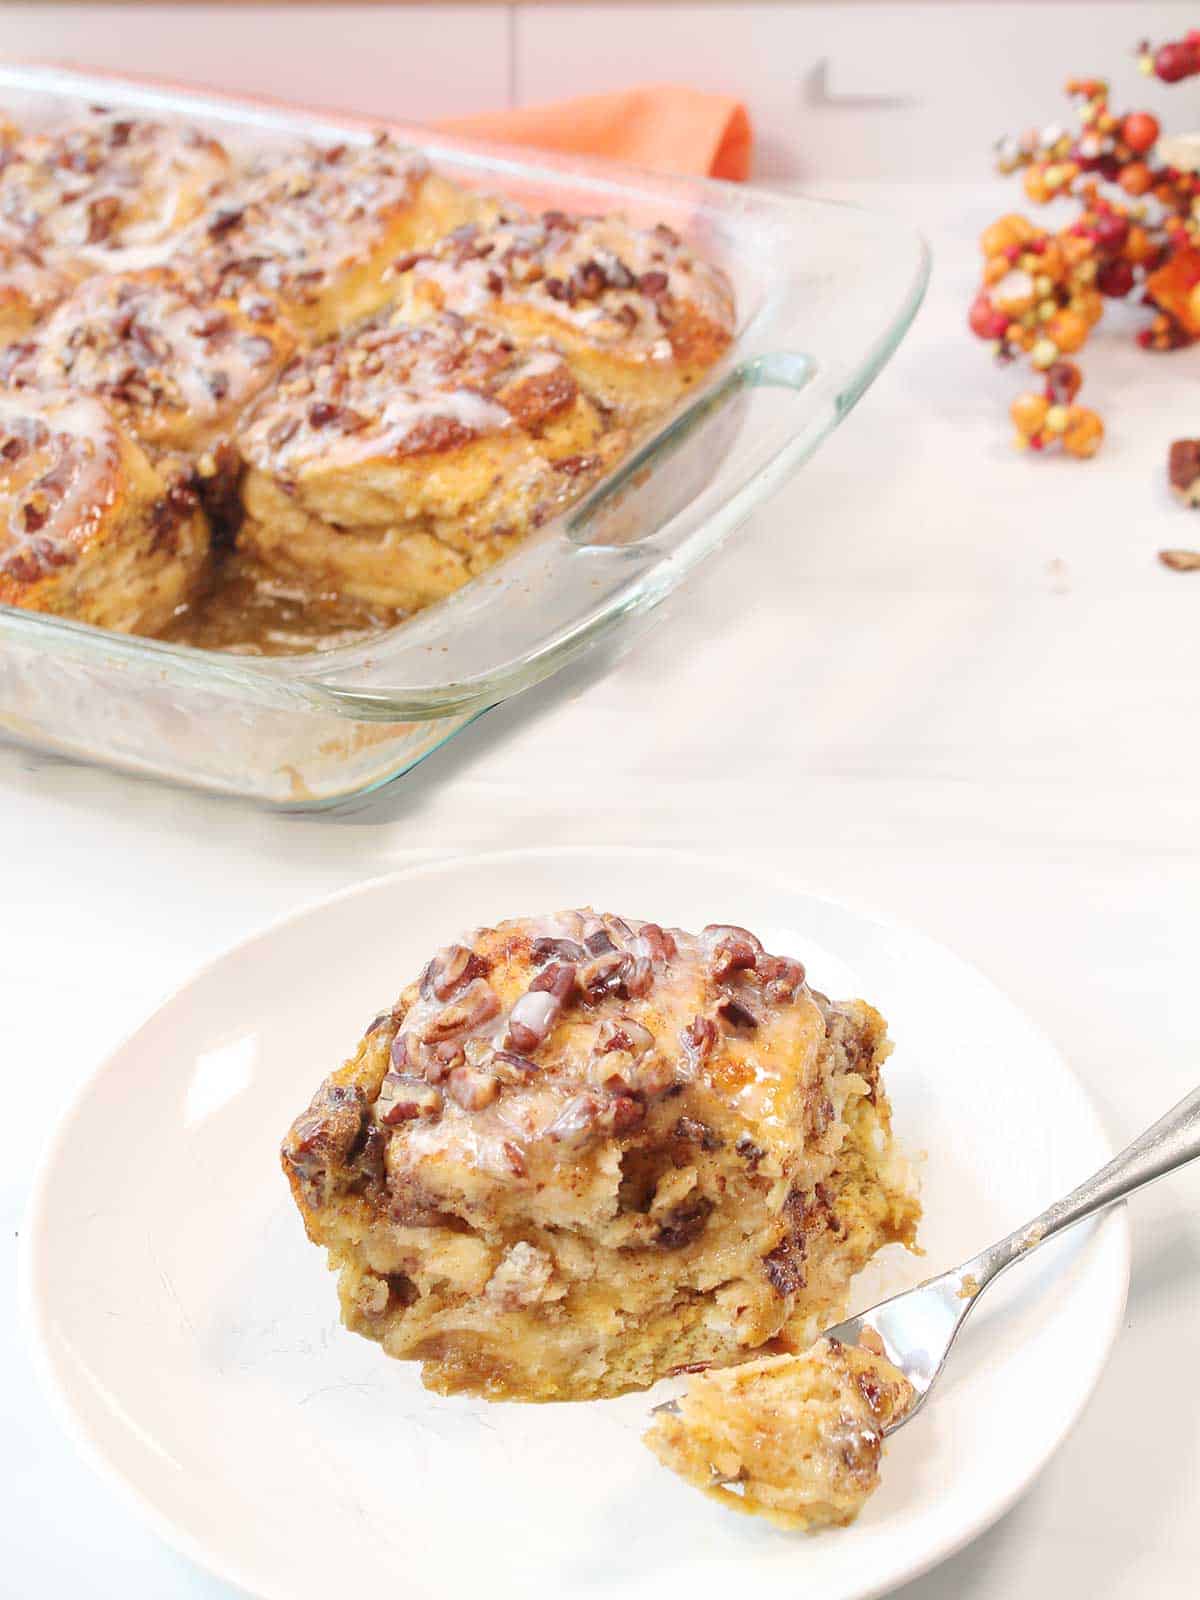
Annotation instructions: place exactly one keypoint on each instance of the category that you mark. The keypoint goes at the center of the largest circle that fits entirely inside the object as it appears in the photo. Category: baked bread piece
(110, 191)
(393, 465)
(581, 1153)
(795, 1438)
(176, 365)
(29, 289)
(639, 316)
(88, 528)
(318, 230)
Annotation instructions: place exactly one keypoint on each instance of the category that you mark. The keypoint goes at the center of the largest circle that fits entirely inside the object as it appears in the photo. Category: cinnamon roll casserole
(348, 383)
(580, 1153)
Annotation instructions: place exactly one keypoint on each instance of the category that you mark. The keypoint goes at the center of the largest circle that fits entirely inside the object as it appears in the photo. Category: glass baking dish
(824, 293)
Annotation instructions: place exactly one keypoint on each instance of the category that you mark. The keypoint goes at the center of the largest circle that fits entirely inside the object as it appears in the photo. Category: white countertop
(931, 675)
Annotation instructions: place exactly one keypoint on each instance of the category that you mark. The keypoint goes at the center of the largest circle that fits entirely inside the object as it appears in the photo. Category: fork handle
(1172, 1142)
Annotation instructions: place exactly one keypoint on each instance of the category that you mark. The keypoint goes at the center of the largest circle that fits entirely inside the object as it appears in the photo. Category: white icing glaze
(111, 183)
(383, 390)
(617, 285)
(151, 347)
(58, 478)
(291, 225)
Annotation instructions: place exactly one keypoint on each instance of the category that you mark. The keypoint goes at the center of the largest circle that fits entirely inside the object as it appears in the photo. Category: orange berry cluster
(1137, 228)
(1052, 417)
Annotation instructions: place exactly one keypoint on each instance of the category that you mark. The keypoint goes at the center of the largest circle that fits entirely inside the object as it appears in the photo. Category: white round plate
(190, 1330)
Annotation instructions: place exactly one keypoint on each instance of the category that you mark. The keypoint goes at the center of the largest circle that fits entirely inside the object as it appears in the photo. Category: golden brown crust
(88, 528)
(578, 1154)
(176, 366)
(392, 465)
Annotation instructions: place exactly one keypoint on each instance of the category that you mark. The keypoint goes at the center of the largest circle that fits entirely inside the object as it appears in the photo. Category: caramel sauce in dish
(246, 612)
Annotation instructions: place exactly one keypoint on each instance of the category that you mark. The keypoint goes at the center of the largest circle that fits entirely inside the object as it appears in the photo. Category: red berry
(1110, 232)
(985, 321)
(1086, 160)
(1140, 131)
(1115, 279)
(1063, 380)
(1175, 61)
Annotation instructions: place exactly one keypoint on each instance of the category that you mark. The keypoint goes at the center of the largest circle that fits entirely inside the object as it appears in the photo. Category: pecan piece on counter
(1183, 470)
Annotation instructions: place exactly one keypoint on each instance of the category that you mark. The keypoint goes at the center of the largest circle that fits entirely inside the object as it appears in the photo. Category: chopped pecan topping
(225, 221)
(782, 979)
(698, 1038)
(450, 970)
(602, 975)
(589, 280)
(478, 1003)
(472, 1089)
(737, 1015)
(731, 949)
(655, 942)
(624, 1114)
(403, 1099)
(559, 949)
(531, 1019)
(103, 214)
(578, 1122)
(624, 1034)
(509, 1067)
(558, 979)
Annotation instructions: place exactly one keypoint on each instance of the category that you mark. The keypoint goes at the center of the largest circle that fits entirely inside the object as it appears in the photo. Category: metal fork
(919, 1326)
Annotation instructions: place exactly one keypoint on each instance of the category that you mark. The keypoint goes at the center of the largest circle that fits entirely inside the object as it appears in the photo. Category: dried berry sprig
(1137, 234)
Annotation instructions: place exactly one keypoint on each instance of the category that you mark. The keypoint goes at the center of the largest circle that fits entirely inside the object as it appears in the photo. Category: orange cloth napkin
(664, 128)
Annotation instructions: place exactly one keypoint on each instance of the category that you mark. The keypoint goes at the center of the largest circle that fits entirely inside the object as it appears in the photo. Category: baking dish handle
(614, 556)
